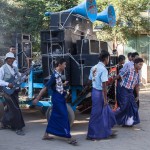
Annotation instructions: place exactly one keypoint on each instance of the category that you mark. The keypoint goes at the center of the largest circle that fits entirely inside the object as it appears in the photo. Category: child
(58, 123)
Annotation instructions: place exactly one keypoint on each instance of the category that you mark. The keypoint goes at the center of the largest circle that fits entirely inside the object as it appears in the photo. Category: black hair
(59, 60)
(135, 54)
(114, 51)
(121, 58)
(12, 46)
(138, 60)
(104, 54)
(129, 54)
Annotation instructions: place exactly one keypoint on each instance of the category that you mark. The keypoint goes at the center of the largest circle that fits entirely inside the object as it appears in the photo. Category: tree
(9, 22)
(129, 21)
(27, 16)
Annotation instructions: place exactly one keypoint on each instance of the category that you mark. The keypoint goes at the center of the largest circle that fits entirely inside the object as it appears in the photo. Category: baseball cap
(9, 55)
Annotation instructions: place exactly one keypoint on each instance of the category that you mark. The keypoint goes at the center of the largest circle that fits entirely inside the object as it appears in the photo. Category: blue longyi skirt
(128, 112)
(58, 123)
(102, 118)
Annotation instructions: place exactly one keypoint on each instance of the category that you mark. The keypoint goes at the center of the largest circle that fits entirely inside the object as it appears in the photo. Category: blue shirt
(98, 75)
(55, 82)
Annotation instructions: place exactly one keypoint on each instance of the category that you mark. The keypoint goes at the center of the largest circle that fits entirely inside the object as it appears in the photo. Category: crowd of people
(102, 118)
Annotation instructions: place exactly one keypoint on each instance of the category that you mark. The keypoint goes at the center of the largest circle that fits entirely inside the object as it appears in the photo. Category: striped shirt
(130, 78)
(128, 65)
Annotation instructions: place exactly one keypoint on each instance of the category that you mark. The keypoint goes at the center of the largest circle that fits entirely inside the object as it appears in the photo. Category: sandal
(20, 132)
(47, 138)
(92, 139)
(73, 142)
(113, 135)
(3, 127)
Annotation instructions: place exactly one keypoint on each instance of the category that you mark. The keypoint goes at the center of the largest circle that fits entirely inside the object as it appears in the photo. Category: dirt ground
(135, 138)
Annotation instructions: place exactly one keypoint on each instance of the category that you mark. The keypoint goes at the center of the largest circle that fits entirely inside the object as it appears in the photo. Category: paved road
(136, 138)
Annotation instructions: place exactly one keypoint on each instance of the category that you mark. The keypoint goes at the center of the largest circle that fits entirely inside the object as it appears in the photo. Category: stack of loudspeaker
(24, 47)
(74, 35)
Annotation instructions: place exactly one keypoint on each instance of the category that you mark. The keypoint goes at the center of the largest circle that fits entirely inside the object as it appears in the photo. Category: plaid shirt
(130, 78)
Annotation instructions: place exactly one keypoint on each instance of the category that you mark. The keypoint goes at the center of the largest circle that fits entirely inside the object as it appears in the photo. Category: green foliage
(9, 22)
(129, 21)
(27, 16)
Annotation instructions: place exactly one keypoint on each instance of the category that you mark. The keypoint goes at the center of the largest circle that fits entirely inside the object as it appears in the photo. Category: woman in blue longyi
(58, 123)
(102, 118)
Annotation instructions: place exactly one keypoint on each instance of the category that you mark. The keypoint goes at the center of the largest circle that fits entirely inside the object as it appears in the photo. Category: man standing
(12, 117)
(130, 65)
(128, 115)
(102, 118)
(129, 56)
(12, 49)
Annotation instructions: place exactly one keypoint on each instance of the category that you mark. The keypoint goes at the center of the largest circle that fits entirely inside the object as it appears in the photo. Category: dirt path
(136, 138)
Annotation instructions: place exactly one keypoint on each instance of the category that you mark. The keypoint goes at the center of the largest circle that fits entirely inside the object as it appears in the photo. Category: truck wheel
(71, 114)
(1, 110)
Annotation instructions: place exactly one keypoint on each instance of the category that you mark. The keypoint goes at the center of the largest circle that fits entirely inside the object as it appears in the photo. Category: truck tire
(71, 114)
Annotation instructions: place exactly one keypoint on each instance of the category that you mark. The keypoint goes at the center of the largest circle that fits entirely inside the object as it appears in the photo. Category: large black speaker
(103, 45)
(24, 51)
(80, 73)
(113, 60)
(59, 41)
(48, 67)
(52, 36)
(71, 21)
(87, 46)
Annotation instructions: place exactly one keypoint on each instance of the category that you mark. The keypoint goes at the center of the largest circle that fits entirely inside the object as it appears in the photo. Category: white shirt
(2, 82)
(15, 63)
(98, 75)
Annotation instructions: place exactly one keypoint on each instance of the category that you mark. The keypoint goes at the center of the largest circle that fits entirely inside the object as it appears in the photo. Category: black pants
(12, 115)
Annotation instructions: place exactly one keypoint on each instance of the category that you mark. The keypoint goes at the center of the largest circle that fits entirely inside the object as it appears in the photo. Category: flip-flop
(2, 127)
(92, 139)
(20, 132)
(47, 138)
(73, 142)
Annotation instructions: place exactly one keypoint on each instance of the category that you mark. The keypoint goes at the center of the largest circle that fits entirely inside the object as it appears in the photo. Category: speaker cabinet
(24, 51)
(26, 37)
(48, 67)
(71, 21)
(103, 45)
(52, 36)
(87, 46)
(80, 72)
(59, 41)
(113, 60)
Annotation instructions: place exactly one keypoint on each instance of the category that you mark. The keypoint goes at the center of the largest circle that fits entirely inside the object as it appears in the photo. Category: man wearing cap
(12, 117)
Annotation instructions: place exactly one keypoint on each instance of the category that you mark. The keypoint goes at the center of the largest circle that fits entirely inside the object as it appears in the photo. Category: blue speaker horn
(87, 9)
(108, 16)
